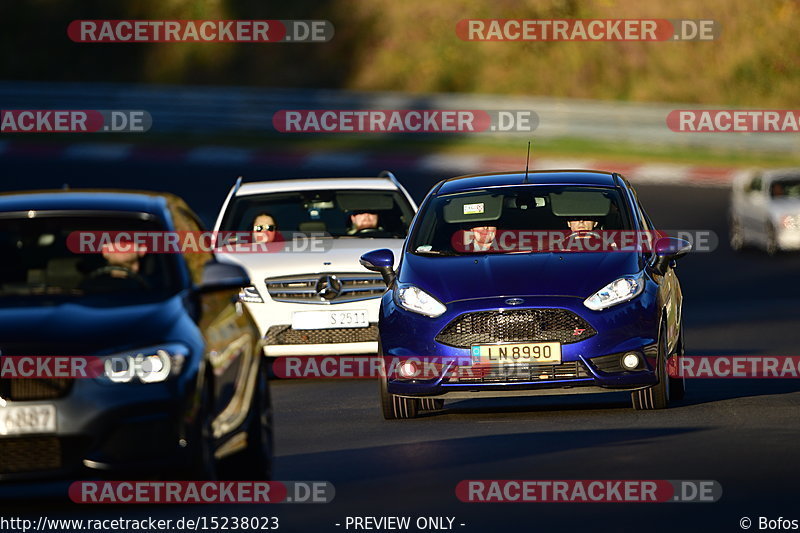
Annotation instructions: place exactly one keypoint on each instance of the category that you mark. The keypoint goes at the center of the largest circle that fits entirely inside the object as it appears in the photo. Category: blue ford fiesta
(498, 319)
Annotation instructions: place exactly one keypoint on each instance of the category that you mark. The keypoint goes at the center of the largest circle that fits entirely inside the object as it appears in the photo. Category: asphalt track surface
(742, 433)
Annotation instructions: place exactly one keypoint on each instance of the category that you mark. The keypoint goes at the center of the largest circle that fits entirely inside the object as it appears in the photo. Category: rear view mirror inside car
(524, 201)
(319, 205)
(364, 202)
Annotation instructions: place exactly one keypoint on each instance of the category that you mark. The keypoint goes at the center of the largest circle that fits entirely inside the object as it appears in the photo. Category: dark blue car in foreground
(496, 318)
(184, 388)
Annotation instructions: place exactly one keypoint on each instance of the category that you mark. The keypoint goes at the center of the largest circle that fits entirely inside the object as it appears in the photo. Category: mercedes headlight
(250, 294)
(416, 300)
(618, 291)
(150, 365)
(791, 221)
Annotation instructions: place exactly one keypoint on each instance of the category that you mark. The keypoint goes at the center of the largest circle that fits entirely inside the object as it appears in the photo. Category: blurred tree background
(411, 46)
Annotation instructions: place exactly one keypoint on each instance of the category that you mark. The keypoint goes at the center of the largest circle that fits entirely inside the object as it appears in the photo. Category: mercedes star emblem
(328, 287)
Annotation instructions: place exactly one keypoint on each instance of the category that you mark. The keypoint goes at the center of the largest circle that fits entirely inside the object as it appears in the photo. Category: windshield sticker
(473, 209)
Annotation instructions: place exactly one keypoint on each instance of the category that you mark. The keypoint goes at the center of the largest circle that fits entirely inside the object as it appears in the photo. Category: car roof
(782, 173)
(594, 178)
(87, 200)
(263, 187)
(768, 176)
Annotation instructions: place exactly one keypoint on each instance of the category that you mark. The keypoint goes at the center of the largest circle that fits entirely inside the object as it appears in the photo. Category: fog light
(630, 361)
(407, 369)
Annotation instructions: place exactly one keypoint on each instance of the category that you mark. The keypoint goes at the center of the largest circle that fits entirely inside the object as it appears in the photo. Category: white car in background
(313, 302)
(765, 210)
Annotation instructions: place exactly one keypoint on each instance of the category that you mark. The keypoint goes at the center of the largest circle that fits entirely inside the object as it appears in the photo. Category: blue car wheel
(431, 404)
(397, 407)
(656, 396)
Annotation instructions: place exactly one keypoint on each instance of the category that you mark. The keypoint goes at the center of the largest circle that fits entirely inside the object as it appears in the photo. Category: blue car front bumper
(587, 365)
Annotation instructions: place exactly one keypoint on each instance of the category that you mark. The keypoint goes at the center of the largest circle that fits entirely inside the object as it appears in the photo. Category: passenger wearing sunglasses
(265, 229)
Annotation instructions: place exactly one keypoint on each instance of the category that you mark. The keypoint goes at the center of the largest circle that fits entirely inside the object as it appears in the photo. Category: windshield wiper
(448, 253)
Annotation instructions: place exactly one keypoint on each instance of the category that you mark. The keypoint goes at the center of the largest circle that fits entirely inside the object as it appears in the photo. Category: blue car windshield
(40, 259)
(444, 220)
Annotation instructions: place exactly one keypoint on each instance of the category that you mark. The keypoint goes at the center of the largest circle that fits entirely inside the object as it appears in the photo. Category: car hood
(339, 255)
(535, 274)
(784, 206)
(86, 328)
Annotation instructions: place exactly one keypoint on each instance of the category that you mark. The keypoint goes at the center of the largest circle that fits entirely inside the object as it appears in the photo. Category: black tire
(735, 236)
(396, 407)
(772, 248)
(269, 363)
(255, 461)
(202, 463)
(431, 404)
(677, 386)
(656, 396)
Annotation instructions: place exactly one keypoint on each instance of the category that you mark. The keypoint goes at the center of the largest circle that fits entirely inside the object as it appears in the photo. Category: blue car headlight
(414, 299)
(149, 365)
(618, 291)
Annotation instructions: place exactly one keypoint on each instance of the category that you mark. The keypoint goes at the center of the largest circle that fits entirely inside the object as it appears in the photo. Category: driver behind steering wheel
(363, 222)
(122, 270)
(586, 230)
(581, 224)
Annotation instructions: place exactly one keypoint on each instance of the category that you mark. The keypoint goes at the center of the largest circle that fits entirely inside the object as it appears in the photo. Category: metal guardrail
(247, 110)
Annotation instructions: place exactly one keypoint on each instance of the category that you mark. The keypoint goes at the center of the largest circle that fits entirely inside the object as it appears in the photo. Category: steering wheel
(373, 232)
(108, 269)
(583, 234)
(582, 238)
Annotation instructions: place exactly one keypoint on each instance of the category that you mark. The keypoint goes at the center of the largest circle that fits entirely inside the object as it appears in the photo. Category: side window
(755, 185)
(195, 260)
(743, 187)
(647, 224)
(644, 220)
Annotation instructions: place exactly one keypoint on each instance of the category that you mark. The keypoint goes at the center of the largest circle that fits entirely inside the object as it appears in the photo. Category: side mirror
(666, 250)
(223, 276)
(380, 261)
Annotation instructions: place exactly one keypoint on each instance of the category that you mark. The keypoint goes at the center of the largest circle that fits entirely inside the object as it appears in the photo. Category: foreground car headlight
(791, 221)
(150, 365)
(618, 291)
(250, 294)
(416, 300)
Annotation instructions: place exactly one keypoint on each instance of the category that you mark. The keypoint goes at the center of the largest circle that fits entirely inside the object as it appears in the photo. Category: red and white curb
(443, 164)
